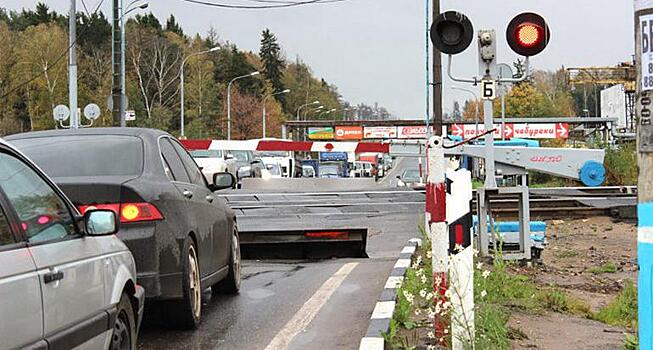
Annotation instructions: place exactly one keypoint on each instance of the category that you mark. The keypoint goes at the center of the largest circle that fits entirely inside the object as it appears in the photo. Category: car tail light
(129, 212)
(328, 234)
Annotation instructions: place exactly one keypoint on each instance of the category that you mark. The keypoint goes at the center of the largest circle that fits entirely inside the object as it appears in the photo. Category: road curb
(385, 305)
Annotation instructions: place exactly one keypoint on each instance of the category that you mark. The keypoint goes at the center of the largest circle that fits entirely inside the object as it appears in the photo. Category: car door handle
(188, 194)
(209, 198)
(52, 277)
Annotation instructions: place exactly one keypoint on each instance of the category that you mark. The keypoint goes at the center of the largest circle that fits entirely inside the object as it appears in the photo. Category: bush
(621, 165)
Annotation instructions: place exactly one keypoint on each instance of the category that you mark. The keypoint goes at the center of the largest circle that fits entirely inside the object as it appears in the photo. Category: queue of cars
(127, 216)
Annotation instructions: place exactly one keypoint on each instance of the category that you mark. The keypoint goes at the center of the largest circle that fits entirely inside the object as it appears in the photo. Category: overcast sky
(373, 50)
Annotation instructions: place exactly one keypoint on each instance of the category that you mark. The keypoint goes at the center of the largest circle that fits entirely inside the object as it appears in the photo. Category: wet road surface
(265, 313)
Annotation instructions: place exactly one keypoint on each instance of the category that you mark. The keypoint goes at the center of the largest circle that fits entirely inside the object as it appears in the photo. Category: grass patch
(608, 267)
(566, 254)
(559, 301)
(623, 310)
(631, 342)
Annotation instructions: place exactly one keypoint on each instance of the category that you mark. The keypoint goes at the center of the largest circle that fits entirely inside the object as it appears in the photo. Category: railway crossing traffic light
(528, 34)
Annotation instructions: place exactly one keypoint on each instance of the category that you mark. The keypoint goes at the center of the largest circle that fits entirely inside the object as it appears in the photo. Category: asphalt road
(302, 304)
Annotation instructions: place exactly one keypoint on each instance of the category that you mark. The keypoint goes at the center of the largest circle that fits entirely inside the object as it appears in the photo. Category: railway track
(545, 203)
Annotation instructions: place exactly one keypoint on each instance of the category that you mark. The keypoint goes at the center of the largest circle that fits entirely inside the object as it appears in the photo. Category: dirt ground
(577, 249)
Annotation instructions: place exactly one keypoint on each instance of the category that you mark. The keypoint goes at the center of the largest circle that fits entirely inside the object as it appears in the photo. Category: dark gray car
(182, 236)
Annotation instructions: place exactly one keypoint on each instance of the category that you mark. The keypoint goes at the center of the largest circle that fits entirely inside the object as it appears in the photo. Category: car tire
(231, 284)
(186, 313)
(123, 336)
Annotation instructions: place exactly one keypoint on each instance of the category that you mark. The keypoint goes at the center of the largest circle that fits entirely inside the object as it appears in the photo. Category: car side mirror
(229, 156)
(258, 161)
(398, 176)
(100, 222)
(222, 181)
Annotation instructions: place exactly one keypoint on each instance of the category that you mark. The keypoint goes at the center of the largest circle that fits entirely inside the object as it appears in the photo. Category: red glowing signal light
(528, 34)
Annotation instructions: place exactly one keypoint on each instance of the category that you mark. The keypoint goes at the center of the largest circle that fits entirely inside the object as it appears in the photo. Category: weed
(631, 342)
(565, 254)
(559, 301)
(608, 267)
(623, 310)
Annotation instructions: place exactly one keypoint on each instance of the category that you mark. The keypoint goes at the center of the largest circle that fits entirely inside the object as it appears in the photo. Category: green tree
(273, 63)
(173, 26)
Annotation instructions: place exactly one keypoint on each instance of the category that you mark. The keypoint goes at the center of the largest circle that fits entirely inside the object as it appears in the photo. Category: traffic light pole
(643, 49)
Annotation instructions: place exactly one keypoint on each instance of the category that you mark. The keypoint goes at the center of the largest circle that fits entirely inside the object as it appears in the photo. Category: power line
(279, 4)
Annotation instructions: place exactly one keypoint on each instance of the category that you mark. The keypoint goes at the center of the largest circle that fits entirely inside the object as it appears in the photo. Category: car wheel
(186, 312)
(123, 336)
(231, 284)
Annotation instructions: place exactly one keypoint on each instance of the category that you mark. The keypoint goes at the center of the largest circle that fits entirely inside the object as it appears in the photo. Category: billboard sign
(613, 104)
(521, 130)
(333, 156)
(349, 132)
(321, 133)
(412, 132)
(380, 132)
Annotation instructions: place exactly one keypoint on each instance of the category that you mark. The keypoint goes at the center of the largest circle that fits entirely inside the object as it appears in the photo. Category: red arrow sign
(509, 131)
(562, 130)
(457, 130)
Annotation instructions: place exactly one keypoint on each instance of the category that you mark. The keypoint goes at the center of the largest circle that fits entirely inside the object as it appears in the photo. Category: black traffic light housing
(452, 32)
(528, 34)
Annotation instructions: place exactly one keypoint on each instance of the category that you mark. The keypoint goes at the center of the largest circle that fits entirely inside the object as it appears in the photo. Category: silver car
(66, 281)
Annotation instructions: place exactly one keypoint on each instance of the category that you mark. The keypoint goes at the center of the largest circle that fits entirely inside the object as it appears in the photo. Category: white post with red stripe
(435, 216)
(448, 198)
(461, 268)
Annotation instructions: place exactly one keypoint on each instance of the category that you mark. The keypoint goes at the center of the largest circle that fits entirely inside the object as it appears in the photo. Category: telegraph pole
(72, 66)
(116, 85)
(644, 65)
(437, 81)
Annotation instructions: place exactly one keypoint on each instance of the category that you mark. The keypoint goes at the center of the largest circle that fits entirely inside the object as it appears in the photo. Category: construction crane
(624, 73)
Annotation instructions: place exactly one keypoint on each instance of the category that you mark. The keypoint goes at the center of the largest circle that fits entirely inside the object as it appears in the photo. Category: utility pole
(437, 81)
(123, 90)
(644, 66)
(116, 58)
(72, 66)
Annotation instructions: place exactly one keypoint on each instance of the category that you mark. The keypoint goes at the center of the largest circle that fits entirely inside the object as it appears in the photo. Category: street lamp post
(229, 100)
(475, 104)
(264, 100)
(326, 112)
(181, 75)
(315, 110)
(123, 93)
(308, 104)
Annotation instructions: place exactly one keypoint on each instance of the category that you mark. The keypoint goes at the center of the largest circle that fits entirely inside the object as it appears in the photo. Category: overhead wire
(280, 4)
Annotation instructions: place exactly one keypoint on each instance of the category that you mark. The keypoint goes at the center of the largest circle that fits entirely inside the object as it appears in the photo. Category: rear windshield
(206, 153)
(79, 156)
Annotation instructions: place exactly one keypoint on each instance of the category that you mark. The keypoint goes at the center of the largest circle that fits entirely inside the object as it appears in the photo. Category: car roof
(88, 131)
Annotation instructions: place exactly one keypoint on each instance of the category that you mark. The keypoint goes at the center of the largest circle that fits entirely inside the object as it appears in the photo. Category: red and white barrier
(437, 228)
(287, 145)
(448, 218)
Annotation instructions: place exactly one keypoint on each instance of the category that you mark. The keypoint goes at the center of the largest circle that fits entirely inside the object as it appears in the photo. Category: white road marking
(305, 315)
(408, 249)
(383, 309)
(402, 263)
(394, 282)
(369, 343)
